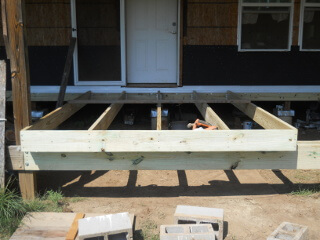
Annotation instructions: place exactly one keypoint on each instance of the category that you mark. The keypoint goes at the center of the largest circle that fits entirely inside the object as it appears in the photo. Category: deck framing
(274, 147)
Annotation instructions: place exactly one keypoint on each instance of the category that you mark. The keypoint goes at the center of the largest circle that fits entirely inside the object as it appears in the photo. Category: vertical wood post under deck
(18, 55)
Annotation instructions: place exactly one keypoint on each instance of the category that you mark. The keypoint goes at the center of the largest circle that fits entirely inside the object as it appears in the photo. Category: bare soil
(255, 201)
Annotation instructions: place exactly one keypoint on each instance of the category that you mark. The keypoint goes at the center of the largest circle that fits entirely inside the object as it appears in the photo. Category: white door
(152, 42)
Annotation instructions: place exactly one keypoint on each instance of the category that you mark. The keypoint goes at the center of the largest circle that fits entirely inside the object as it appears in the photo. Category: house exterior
(244, 45)
(159, 52)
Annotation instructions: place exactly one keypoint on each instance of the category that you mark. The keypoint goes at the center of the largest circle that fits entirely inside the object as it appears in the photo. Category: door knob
(173, 32)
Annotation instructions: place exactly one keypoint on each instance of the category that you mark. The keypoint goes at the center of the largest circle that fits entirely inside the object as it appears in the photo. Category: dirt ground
(255, 202)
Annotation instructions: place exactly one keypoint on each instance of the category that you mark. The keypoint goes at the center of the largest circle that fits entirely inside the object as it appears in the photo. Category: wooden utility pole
(13, 20)
(2, 121)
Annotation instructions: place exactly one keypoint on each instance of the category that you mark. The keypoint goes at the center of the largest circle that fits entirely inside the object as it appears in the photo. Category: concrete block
(289, 231)
(109, 227)
(187, 232)
(201, 215)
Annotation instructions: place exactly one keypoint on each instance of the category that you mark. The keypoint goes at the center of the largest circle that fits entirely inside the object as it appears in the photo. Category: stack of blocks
(289, 231)
(108, 227)
(192, 216)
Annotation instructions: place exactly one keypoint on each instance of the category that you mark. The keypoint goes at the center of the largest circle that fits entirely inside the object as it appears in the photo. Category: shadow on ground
(233, 187)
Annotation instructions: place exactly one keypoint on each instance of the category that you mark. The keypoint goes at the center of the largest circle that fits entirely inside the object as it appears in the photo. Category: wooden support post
(159, 117)
(2, 121)
(66, 72)
(287, 105)
(17, 48)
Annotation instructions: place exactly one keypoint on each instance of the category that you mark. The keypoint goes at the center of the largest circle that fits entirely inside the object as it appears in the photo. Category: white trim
(301, 24)
(290, 5)
(184, 89)
(122, 82)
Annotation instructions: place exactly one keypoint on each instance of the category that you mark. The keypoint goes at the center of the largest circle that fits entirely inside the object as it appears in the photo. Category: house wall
(210, 52)
(211, 55)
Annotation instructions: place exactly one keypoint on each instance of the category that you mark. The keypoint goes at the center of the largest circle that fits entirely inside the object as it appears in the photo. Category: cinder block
(110, 227)
(187, 232)
(201, 215)
(290, 231)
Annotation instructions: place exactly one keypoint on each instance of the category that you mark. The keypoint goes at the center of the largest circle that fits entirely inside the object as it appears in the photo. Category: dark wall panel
(46, 65)
(224, 65)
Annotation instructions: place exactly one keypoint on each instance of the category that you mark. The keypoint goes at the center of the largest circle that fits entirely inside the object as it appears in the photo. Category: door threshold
(152, 85)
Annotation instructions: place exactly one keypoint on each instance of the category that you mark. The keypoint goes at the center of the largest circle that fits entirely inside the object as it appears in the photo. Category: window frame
(304, 4)
(242, 4)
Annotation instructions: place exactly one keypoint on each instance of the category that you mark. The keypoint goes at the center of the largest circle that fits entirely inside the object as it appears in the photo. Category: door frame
(123, 81)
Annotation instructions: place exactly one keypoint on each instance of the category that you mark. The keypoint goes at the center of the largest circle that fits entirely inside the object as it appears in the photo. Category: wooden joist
(210, 116)
(158, 141)
(262, 117)
(106, 118)
(58, 116)
(307, 156)
(259, 115)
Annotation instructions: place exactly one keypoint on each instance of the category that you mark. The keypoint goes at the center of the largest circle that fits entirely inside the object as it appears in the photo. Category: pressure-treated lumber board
(156, 101)
(307, 156)
(262, 117)
(106, 118)
(47, 225)
(58, 116)
(159, 117)
(14, 158)
(255, 96)
(66, 72)
(158, 141)
(3, 81)
(210, 116)
(28, 184)
(73, 231)
(20, 78)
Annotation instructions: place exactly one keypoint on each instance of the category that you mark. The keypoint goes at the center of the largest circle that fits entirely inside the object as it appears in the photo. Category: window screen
(265, 26)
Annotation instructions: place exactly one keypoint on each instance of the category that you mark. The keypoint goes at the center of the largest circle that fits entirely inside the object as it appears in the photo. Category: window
(265, 25)
(309, 38)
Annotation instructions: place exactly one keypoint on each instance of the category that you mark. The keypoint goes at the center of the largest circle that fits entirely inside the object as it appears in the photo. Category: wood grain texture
(14, 158)
(158, 141)
(307, 156)
(66, 72)
(58, 116)
(73, 231)
(46, 225)
(262, 117)
(254, 96)
(28, 184)
(106, 118)
(210, 116)
(20, 78)
(3, 82)
(159, 117)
